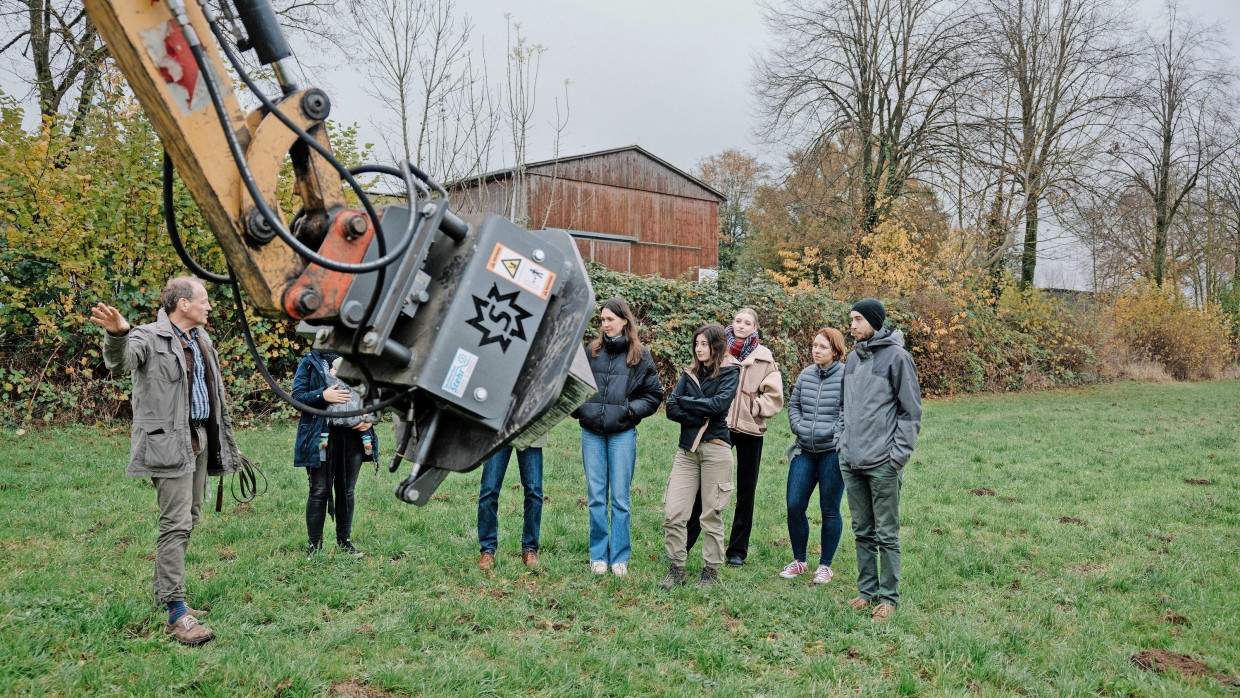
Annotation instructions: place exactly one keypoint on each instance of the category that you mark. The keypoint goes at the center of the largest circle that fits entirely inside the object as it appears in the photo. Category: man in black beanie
(880, 416)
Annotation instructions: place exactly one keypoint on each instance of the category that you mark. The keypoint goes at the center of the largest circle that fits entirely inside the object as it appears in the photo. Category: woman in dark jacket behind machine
(331, 455)
(703, 464)
(628, 392)
(813, 413)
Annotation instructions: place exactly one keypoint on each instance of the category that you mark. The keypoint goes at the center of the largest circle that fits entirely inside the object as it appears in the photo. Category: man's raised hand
(109, 318)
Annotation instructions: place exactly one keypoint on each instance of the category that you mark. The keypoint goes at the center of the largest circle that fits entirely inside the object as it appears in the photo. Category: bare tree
(1053, 82)
(55, 49)
(1177, 128)
(884, 73)
(440, 110)
(389, 33)
(524, 61)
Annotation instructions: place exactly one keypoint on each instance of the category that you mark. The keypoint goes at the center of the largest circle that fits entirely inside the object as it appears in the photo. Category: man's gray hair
(176, 289)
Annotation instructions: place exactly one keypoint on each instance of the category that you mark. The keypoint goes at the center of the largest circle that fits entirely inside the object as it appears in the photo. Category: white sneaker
(620, 569)
(793, 570)
(823, 574)
(598, 567)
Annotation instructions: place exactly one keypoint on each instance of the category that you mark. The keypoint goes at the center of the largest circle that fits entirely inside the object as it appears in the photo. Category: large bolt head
(357, 225)
(309, 301)
(316, 105)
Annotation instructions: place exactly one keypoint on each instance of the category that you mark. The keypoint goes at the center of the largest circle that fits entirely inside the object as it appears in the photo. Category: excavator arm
(467, 327)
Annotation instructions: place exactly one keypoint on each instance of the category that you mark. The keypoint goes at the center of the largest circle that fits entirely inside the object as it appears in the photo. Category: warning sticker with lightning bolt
(517, 268)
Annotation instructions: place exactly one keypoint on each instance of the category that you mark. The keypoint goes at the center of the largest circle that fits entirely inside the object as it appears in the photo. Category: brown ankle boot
(675, 575)
(188, 631)
(708, 578)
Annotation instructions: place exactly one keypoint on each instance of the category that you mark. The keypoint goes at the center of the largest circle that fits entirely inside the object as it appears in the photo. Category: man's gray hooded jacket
(880, 408)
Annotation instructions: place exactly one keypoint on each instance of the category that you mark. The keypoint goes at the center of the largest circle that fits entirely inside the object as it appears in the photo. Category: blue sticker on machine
(459, 373)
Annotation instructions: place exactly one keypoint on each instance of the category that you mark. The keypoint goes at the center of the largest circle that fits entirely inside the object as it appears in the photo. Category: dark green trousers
(874, 503)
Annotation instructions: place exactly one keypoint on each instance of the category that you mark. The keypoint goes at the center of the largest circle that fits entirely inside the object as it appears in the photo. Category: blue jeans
(609, 461)
(531, 463)
(806, 471)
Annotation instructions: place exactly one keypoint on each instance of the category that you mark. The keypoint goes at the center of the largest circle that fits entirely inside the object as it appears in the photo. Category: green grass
(999, 596)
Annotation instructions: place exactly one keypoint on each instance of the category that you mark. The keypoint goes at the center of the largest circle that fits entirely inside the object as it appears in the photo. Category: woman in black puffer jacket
(703, 463)
(628, 392)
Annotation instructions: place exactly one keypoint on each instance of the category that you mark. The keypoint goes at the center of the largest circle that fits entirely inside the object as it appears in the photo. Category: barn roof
(507, 172)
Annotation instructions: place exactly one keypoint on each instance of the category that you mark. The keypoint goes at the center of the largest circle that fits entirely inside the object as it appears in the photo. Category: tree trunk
(1162, 219)
(1029, 255)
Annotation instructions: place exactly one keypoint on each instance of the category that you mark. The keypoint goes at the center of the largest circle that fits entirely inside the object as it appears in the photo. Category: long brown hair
(717, 340)
(620, 309)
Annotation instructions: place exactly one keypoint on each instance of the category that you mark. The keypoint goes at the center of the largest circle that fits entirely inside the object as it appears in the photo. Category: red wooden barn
(627, 209)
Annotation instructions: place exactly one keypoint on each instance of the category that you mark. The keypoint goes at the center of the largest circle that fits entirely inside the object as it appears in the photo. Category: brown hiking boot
(675, 575)
(188, 631)
(708, 578)
(196, 613)
(530, 558)
(487, 561)
(883, 611)
(858, 604)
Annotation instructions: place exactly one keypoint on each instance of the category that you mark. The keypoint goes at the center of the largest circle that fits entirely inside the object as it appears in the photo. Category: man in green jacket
(880, 416)
(181, 430)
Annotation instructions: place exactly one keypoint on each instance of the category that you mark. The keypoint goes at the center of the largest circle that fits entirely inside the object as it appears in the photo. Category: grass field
(1047, 587)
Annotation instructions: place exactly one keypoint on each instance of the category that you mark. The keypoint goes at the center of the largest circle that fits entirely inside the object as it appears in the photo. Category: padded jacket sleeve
(717, 403)
(674, 410)
(648, 392)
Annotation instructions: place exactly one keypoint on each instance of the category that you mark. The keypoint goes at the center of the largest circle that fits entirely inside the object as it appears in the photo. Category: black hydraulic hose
(170, 220)
(283, 394)
(234, 146)
(252, 187)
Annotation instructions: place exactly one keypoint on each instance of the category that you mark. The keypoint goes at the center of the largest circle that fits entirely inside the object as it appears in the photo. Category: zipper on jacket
(817, 397)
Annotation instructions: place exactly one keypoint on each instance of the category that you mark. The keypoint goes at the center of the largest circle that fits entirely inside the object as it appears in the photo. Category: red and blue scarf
(741, 348)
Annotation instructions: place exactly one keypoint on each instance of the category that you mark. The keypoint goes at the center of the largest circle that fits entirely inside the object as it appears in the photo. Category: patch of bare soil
(1163, 661)
(1170, 616)
(1071, 520)
(1198, 481)
(982, 492)
(1087, 569)
(353, 689)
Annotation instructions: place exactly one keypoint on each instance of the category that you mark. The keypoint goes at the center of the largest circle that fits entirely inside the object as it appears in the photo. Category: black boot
(346, 546)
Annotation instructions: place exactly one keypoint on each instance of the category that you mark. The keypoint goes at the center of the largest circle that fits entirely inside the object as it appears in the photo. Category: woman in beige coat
(759, 397)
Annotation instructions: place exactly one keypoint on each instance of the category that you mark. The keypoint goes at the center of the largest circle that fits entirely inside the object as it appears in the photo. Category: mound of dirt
(982, 492)
(353, 689)
(1071, 520)
(1170, 616)
(1163, 661)
(1198, 481)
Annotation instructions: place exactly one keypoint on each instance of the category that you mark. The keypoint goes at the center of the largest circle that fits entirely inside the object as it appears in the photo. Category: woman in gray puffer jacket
(814, 411)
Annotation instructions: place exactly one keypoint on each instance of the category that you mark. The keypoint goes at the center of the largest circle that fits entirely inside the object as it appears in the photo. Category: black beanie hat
(873, 311)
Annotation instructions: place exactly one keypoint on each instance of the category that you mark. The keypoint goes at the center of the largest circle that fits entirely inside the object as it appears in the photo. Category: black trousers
(335, 480)
(748, 459)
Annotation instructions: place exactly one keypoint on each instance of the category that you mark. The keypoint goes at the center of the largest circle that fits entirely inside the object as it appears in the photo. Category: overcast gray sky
(672, 76)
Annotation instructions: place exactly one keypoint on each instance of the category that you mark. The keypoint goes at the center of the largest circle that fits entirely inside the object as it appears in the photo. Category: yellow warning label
(521, 271)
